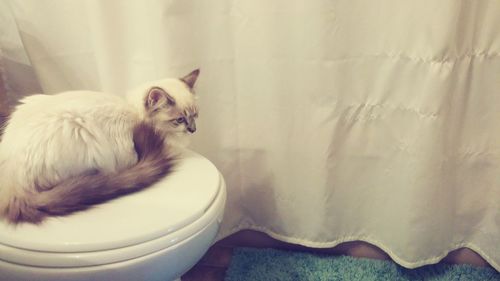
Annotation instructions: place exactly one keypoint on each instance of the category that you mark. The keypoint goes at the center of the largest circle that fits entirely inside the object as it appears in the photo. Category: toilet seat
(161, 216)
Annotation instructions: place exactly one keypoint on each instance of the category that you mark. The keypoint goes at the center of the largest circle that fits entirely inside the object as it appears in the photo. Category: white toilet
(156, 234)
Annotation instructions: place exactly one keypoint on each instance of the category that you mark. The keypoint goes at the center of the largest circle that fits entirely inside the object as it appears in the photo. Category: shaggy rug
(268, 265)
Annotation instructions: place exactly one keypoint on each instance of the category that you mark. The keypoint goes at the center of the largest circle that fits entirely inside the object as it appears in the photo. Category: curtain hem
(393, 255)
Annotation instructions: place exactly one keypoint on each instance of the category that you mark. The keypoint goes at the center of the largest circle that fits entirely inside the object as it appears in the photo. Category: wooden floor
(212, 267)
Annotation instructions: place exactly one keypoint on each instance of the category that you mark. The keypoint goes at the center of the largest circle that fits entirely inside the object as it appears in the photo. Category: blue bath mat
(249, 264)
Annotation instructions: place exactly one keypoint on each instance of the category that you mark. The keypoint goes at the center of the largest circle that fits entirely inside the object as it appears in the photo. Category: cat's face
(171, 105)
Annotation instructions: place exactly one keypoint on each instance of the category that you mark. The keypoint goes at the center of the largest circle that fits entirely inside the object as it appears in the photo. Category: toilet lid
(169, 205)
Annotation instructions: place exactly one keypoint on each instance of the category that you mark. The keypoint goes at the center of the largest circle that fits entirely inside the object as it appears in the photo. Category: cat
(67, 152)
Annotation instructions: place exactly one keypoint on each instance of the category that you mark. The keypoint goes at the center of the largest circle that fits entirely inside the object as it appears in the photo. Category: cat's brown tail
(82, 192)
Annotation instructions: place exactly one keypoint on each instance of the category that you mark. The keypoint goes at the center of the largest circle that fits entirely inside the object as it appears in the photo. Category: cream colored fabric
(331, 121)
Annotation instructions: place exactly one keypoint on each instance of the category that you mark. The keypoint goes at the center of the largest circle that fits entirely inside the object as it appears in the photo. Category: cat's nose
(191, 127)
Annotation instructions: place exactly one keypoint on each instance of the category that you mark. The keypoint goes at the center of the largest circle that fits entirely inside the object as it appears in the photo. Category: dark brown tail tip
(19, 211)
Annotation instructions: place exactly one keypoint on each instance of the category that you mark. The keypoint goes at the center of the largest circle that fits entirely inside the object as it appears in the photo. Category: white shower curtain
(331, 121)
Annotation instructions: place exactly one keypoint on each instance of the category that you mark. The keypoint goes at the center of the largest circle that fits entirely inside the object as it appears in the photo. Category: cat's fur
(67, 152)
(4, 116)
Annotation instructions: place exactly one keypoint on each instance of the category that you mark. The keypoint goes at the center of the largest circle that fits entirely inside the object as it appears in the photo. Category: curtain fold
(331, 121)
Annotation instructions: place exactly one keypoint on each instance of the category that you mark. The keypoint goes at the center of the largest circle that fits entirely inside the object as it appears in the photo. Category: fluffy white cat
(66, 152)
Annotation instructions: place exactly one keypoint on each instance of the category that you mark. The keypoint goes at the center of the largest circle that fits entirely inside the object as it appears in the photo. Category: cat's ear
(190, 79)
(157, 97)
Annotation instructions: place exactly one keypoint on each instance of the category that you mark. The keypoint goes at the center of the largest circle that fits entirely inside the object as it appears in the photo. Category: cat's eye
(180, 120)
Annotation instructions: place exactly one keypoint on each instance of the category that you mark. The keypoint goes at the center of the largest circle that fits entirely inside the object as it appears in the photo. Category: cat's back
(69, 133)
(43, 110)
